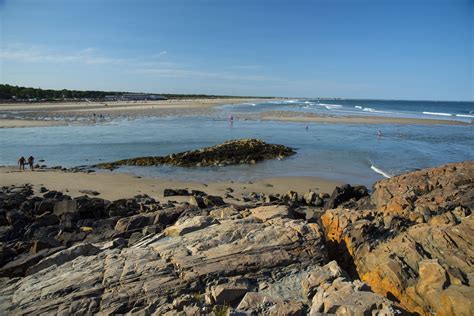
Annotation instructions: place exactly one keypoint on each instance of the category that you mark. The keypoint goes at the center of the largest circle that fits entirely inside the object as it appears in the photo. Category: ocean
(449, 110)
(351, 153)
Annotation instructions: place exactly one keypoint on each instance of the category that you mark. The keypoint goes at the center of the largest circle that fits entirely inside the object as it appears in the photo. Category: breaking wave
(380, 171)
(438, 113)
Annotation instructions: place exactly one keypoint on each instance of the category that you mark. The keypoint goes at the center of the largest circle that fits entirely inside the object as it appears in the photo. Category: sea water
(352, 153)
(448, 110)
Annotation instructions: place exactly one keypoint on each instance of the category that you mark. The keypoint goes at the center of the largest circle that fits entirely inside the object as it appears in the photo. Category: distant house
(141, 97)
(135, 97)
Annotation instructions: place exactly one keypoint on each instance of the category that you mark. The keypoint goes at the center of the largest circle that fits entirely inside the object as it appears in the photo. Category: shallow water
(343, 152)
(441, 110)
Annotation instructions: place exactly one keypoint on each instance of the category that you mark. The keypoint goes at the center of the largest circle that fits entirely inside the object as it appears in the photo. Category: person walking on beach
(21, 163)
(31, 161)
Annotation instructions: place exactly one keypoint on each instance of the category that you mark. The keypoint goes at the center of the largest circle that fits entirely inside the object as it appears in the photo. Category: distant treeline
(12, 93)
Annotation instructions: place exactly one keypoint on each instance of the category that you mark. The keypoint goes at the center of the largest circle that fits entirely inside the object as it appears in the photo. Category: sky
(378, 49)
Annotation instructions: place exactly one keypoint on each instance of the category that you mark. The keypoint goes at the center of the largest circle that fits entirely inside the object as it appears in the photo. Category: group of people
(22, 162)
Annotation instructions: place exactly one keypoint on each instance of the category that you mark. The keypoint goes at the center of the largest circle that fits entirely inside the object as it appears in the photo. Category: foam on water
(380, 171)
(437, 113)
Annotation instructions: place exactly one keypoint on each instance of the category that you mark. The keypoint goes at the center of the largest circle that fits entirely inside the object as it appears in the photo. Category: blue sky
(405, 49)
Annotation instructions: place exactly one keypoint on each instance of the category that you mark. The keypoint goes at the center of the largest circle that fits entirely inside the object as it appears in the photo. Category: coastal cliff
(405, 248)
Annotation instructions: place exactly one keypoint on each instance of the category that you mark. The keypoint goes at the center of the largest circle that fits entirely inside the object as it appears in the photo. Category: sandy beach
(113, 186)
(54, 114)
(34, 114)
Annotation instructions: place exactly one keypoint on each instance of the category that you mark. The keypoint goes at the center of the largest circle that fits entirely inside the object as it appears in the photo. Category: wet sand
(287, 116)
(33, 115)
(113, 186)
(27, 114)
(29, 123)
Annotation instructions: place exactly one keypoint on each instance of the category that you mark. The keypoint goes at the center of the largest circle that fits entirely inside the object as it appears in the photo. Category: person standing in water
(21, 163)
(31, 161)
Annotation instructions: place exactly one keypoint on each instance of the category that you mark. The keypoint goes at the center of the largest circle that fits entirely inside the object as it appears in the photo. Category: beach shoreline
(116, 185)
(57, 114)
(34, 114)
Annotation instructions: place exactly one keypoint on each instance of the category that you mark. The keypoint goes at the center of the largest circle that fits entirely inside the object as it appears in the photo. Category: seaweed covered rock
(243, 151)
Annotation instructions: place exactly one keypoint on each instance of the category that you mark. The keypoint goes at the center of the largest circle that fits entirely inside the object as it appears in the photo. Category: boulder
(346, 193)
(89, 192)
(197, 201)
(175, 192)
(259, 304)
(135, 222)
(44, 243)
(266, 213)
(225, 294)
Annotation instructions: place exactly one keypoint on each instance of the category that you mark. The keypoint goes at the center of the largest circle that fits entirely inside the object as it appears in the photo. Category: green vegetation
(12, 93)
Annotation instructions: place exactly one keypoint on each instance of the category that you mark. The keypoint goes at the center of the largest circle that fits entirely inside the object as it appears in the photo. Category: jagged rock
(437, 189)
(332, 291)
(244, 151)
(89, 192)
(425, 266)
(47, 219)
(54, 195)
(44, 243)
(271, 198)
(63, 256)
(197, 201)
(404, 268)
(168, 259)
(225, 294)
(198, 193)
(6, 254)
(346, 193)
(16, 218)
(18, 266)
(320, 276)
(226, 212)
(291, 197)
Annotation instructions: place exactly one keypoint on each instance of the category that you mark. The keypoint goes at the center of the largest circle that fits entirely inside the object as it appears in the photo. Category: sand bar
(7, 123)
(287, 116)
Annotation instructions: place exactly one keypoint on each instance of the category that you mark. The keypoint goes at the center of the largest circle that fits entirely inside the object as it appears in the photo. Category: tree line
(9, 92)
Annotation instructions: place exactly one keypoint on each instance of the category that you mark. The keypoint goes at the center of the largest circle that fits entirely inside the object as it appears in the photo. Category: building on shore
(134, 97)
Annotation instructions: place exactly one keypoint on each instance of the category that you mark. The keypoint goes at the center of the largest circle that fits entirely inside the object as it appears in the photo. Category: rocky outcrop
(63, 255)
(413, 241)
(243, 151)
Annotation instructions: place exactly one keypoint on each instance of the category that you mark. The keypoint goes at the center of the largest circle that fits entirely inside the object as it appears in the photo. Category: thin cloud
(246, 67)
(37, 55)
(90, 55)
(188, 73)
